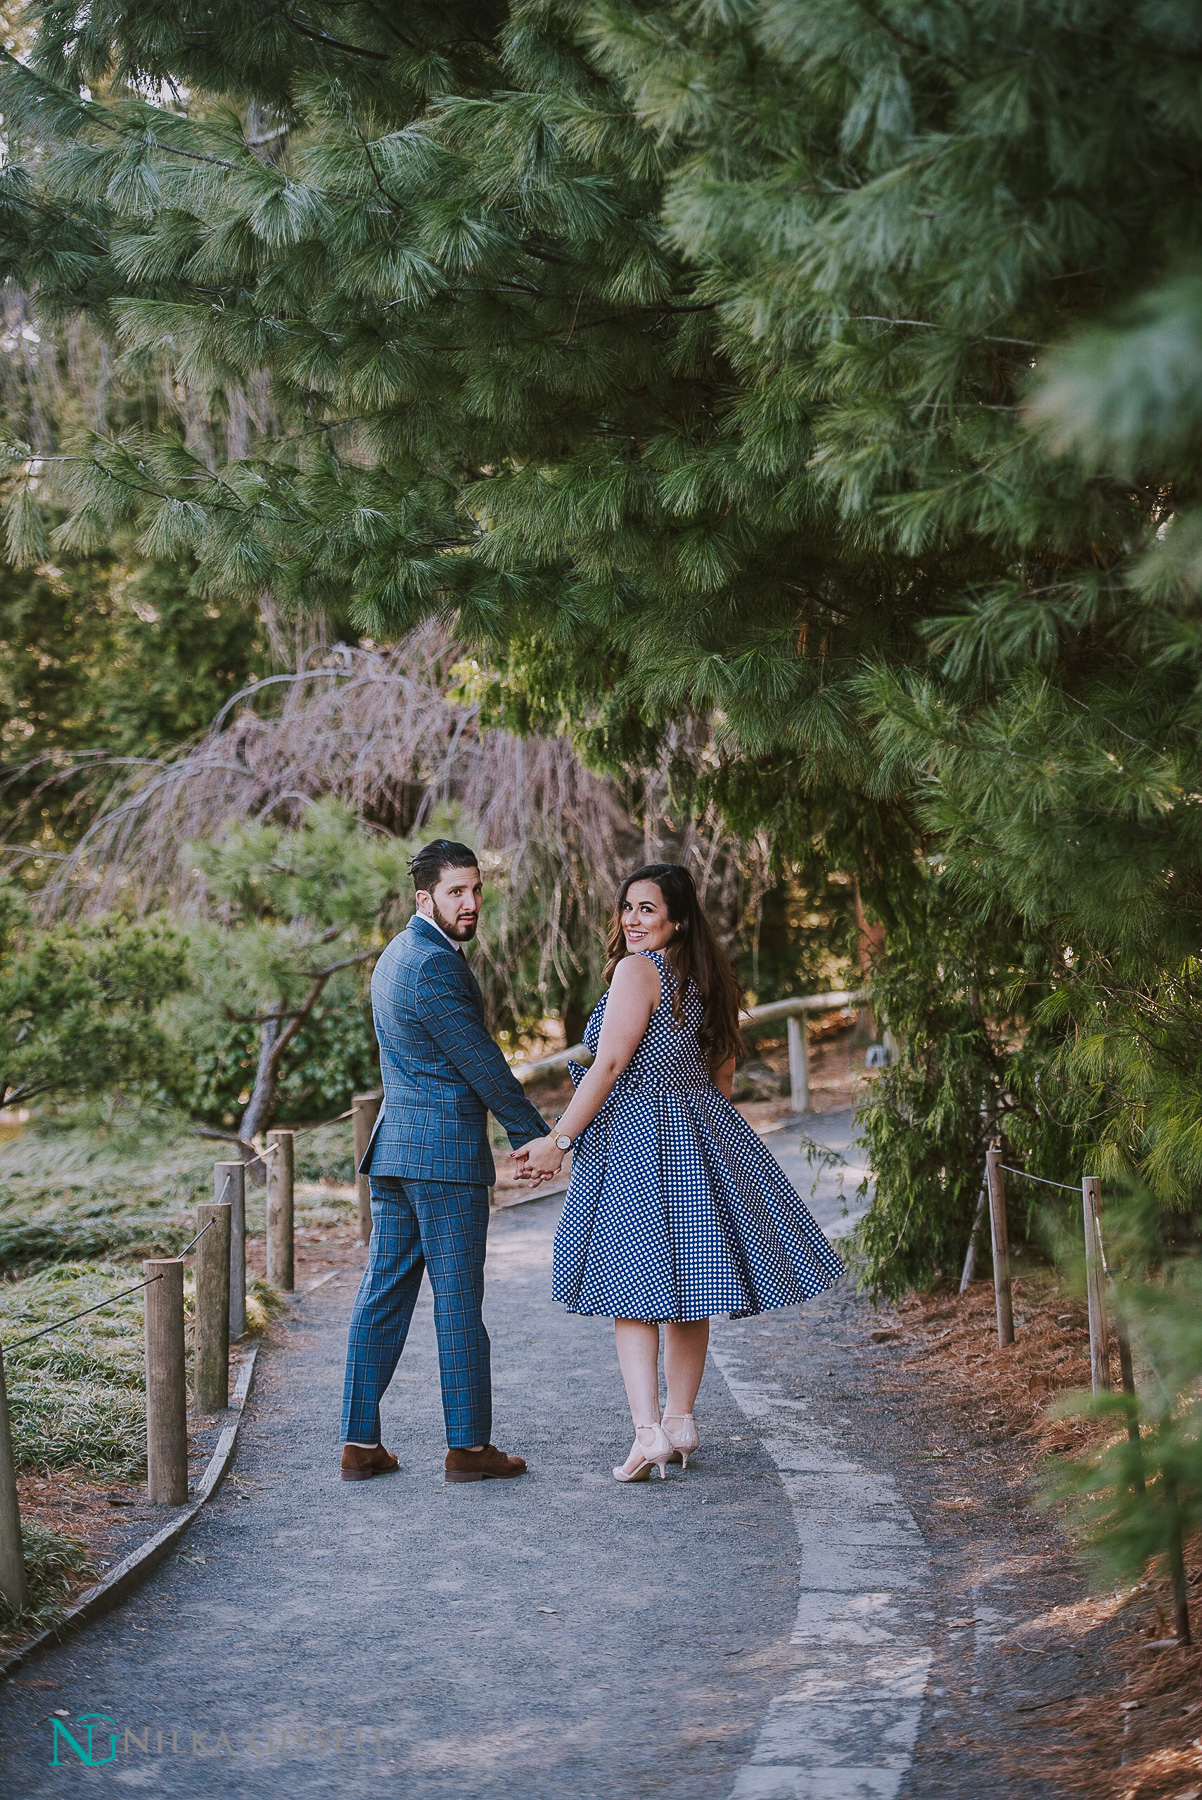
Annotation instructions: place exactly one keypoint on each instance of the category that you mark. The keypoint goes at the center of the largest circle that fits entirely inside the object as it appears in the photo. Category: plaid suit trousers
(439, 1226)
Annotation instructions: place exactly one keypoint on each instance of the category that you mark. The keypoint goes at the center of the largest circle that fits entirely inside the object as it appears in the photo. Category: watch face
(563, 1143)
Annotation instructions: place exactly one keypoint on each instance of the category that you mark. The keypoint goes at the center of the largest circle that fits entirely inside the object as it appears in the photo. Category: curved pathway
(555, 1635)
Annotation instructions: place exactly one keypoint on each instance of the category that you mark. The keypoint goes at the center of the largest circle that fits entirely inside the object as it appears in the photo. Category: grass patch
(54, 1565)
(262, 1304)
(78, 1395)
(76, 1189)
(82, 1187)
(32, 1244)
(325, 1155)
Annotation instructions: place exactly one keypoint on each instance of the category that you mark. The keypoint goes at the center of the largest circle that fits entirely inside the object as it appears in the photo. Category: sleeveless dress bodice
(675, 1209)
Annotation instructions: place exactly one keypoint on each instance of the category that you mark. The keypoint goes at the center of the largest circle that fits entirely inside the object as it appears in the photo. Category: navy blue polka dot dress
(675, 1210)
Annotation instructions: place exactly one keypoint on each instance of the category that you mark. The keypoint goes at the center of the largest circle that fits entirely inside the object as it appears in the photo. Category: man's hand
(537, 1161)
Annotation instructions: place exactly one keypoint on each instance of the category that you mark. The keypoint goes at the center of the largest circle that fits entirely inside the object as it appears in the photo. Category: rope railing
(220, 1299)
(81, 1314)
(265, 1155)
(1068, 1186)
(101, 1304)
(1098, 1279)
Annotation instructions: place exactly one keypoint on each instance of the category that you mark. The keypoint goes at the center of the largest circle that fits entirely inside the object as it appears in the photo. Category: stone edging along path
(846, 1726)
(133, 1569)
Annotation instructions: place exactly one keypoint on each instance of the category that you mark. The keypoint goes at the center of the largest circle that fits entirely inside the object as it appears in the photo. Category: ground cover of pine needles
(1136, 1735)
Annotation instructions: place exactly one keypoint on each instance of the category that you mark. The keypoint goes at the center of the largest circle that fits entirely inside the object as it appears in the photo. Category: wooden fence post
(14, 1586)
(229, 1184)
(365, 1109)
(1095, 1284)
(799, 1064)
(166, 1389)
(1001, 1246)
(211, 1329)
(280, 1241)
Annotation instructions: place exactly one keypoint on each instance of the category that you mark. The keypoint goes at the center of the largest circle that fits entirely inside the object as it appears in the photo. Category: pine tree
(80, 1006)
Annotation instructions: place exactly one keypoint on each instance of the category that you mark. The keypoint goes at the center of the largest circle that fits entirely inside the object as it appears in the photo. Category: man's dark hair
(427, 866)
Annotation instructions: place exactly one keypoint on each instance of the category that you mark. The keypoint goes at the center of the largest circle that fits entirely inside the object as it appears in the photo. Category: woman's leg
(684, 1364)
(637, 1343)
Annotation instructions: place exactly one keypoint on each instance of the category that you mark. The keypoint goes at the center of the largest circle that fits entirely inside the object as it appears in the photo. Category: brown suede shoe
(489, 1464)
(359, 1464)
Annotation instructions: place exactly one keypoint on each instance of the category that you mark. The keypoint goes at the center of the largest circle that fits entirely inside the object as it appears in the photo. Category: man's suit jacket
(442, 1072)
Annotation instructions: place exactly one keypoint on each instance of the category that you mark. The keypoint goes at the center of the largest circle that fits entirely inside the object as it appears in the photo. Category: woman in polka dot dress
(675, 1210)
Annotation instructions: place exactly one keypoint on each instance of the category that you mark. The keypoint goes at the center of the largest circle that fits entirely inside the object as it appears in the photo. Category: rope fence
(100, 1304)
(1099, 1284)
(265, 1155)
(1026, 1174)
(219, 1317)
(82, 1314)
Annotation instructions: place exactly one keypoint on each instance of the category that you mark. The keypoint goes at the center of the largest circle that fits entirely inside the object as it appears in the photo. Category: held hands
(538, 1160)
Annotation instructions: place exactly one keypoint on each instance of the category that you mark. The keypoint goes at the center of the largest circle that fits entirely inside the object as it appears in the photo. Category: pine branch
(332, 43)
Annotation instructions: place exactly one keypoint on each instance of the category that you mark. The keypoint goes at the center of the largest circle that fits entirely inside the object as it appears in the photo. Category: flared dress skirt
(675, 1209)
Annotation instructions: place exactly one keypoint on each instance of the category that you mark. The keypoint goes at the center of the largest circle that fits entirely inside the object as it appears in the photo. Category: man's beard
(462, 931)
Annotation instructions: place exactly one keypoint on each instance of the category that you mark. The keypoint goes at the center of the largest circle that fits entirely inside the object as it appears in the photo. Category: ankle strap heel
(656, 1453)
(682, 1434)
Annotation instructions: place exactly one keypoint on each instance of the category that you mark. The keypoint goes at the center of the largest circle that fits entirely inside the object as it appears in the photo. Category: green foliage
(961, 996)
(103, 659)
(801, 934)
(280, 1015)
(331, 1058)
(79, 1005)
(327, 875)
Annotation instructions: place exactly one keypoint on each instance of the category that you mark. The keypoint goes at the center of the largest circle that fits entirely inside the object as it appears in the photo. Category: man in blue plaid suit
(430, 1167)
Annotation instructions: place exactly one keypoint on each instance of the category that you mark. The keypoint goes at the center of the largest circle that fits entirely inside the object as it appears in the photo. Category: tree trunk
(575, 1018)
(870, 947)
(260, 1109)
(274, 1038)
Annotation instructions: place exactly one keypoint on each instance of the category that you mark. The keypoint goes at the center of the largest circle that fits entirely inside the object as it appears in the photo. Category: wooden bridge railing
(792, 1011)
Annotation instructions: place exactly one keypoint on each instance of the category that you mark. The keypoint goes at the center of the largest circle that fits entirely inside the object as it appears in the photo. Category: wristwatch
(562, 1142)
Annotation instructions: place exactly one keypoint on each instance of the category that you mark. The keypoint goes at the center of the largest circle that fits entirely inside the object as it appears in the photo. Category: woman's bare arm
(634, 994)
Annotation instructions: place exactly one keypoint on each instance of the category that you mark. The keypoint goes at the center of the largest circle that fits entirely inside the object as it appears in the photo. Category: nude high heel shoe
(653, 1453)
(681, 1433)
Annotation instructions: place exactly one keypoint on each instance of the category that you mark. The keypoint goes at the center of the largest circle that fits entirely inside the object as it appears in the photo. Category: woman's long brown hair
(693, 955)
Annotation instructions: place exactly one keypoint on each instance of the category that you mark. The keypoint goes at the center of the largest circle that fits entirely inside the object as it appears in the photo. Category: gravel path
(558, 1635)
